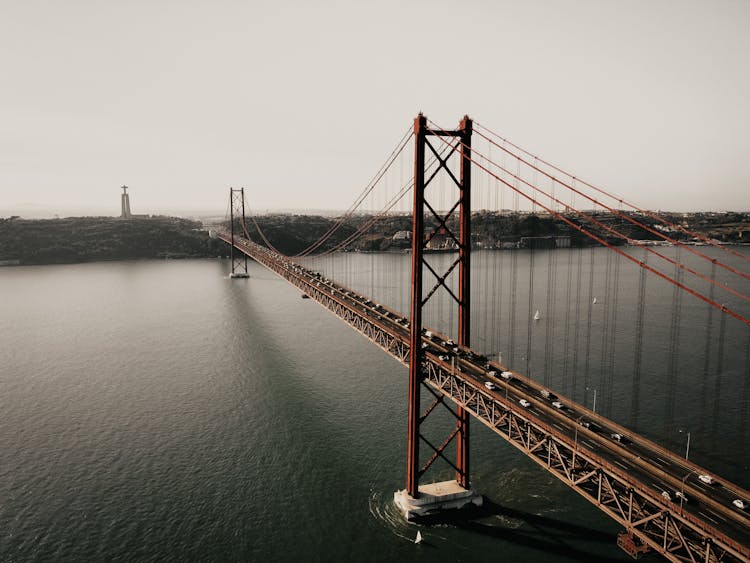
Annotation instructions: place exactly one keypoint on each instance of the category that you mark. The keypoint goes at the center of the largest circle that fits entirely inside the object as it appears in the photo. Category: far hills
(291, 234)
(85, 239)
(88, 239)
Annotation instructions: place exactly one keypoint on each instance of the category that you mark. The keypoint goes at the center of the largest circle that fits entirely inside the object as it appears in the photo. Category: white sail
(418, 539)
(537, 316)
(594, 301)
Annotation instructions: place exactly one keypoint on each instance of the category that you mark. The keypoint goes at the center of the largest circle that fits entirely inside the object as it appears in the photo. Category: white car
(524, 403)
(739, 504)
(557, 404)
(507, 375)
(682, 496)
(489, 385)
(617, 437)
(666, 496)
(707, 479)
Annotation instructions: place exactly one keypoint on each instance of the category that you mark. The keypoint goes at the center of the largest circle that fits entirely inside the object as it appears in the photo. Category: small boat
(305, 296)
(418, 539)
(594, 301)
(537, 316)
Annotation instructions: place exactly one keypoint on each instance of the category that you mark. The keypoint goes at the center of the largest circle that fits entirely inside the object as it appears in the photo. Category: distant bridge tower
(416, 500)
(237, 213)
(125, 204)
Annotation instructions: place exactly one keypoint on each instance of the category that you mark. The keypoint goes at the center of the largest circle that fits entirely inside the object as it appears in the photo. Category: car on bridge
(707, 479)
(557, 404)
(524, 403)
(490, 385)
(507, 375)
(739, 503)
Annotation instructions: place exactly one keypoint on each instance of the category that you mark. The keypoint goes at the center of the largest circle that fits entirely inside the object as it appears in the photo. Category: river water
(161, 411)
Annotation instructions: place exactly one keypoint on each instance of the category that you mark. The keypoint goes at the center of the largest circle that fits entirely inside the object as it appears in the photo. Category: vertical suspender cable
(577, 329)
(602, 378)
(567, 351)
(707, 350)
(719, 372)
(587, 355)
(530, 313)
(674, 347)
(613, 337)
(746, 392)
(550, 315)
(638, 348)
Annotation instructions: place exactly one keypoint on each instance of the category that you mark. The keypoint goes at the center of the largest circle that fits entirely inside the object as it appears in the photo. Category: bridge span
(657, 496)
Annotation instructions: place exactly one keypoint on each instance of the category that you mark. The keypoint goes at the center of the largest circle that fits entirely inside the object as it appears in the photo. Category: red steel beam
(415, 334)
(464, 293)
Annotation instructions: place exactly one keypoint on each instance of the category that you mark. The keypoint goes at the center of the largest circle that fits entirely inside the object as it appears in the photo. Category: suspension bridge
(446, 305)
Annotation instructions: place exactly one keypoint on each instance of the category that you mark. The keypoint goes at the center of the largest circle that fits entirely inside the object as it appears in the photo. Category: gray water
(161, 411)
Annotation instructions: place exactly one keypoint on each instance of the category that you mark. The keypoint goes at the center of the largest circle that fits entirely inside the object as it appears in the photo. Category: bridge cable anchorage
(618, 234)
(603, 242)
(645, 212)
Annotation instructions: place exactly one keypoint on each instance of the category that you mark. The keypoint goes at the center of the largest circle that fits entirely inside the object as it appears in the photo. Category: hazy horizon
(300, 103)
(42, 212)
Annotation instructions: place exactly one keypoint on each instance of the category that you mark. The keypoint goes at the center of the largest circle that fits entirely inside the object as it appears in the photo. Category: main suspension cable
(603, 242)
(645, 212)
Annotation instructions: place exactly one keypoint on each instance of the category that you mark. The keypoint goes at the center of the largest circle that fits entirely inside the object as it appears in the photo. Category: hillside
(86, 239)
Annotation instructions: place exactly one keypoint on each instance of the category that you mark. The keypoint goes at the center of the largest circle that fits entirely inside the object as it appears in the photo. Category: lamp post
(687, 445)
(682, 488)
(594, 407)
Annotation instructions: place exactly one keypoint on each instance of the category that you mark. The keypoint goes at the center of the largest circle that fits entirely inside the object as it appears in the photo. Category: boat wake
(385, 512)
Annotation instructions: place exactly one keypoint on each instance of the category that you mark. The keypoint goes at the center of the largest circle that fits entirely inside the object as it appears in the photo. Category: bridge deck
(626, 478)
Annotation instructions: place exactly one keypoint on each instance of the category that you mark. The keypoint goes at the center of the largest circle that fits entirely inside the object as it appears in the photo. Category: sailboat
(594, 301)
(537, 316)
(418, 539)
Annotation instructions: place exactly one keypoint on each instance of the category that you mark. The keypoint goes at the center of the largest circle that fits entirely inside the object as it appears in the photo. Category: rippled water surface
(161, 411)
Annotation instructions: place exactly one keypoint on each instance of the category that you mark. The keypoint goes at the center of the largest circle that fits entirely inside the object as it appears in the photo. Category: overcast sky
(300, 102)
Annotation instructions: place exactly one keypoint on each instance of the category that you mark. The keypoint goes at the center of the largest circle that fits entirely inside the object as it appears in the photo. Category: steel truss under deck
(650, 521)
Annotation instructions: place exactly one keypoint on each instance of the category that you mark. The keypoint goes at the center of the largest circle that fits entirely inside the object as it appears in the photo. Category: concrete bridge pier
(435, 498)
